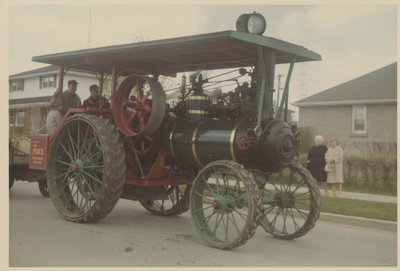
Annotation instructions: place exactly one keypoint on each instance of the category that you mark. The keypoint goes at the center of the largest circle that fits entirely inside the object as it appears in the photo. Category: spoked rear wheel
(86, 169)
(291, 203)
(177, 202)
(225, 204)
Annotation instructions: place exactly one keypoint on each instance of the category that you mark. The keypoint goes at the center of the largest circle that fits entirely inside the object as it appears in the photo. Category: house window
(17, 118)
(17, 85)
(47, 81)
(359, 119)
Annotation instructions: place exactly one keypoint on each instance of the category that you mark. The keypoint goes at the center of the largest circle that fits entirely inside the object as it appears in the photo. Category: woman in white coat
(334, 166)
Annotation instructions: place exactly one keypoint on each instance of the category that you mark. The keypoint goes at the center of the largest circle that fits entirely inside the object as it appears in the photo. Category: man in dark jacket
(95, 100)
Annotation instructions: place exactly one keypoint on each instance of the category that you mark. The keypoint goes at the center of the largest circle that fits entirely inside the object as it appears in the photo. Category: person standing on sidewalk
(316, 162)
(334, 166)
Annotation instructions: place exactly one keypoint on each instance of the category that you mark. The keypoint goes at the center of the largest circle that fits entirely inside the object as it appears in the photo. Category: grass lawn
(360, 208)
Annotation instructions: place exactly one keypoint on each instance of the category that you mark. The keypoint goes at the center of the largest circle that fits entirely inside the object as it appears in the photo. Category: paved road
(131, 237)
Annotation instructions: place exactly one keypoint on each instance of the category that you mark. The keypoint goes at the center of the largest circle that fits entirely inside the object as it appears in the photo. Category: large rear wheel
(86, 169)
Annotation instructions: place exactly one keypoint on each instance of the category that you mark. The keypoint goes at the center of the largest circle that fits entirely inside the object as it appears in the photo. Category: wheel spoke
(225, 225)
(242, 215)
(72, 144)
(242, 197)
(95, 157)
(62, 162)
(206, 198)
(67, 152)
(132, 115)
(302, 213)
(202, 209)
(296, 226)
(94, 178)
(207, 218)
(85, 137)
(217, 222)
(234, 222)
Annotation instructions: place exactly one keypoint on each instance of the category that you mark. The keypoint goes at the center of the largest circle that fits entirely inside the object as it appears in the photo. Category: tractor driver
(95, 100)
(69, 97)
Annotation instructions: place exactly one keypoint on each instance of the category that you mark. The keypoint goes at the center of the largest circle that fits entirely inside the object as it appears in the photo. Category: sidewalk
(360, 221)
(364, 196)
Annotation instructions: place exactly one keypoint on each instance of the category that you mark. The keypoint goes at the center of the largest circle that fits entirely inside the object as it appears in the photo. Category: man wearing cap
(95, 100)
(69, 97)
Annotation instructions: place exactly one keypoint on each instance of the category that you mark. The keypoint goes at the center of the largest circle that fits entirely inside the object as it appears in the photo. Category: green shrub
(374, 171)
(307, 139)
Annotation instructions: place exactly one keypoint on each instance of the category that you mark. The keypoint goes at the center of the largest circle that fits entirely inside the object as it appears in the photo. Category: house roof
(45, 70)
(225, 49)
(379, 86)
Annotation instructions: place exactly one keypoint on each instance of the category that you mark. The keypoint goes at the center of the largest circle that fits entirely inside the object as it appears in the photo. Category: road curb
(359, 221)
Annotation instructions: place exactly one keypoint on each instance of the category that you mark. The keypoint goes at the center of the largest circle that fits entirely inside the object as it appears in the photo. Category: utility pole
(90, 29)
(303, 81)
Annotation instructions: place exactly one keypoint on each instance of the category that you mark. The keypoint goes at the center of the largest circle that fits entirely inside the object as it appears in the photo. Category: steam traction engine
(228, 157)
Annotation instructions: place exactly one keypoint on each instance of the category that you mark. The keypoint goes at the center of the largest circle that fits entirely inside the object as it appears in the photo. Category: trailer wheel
(43, 188)
(86, 169)
(291, 203)
(11, 181)
(225, 204)
(177, 202)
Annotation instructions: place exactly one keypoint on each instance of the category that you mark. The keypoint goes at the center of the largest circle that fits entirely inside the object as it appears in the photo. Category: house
(361, 113)
(30, 93)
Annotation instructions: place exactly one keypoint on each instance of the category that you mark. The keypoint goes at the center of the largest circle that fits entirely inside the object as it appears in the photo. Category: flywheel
(139, 106)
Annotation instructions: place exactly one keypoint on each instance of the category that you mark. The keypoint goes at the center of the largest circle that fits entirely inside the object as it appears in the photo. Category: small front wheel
(291, 203)
(225, 204)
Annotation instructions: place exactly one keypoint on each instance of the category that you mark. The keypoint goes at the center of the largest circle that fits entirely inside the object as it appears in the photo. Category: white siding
(31, 86)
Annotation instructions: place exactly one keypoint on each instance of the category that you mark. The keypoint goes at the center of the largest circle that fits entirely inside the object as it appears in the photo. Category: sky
(352, 39)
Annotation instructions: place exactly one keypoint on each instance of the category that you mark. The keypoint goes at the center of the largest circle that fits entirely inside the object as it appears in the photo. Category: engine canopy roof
(211, 51)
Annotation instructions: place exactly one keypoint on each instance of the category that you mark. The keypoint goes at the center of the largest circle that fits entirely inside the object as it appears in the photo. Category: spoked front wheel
(225, 204)
(291, 202)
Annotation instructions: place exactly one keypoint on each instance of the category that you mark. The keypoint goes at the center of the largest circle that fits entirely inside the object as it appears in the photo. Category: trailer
(18, 165)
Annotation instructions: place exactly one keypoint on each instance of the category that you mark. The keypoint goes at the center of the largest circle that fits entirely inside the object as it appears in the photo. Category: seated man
(95, 100)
